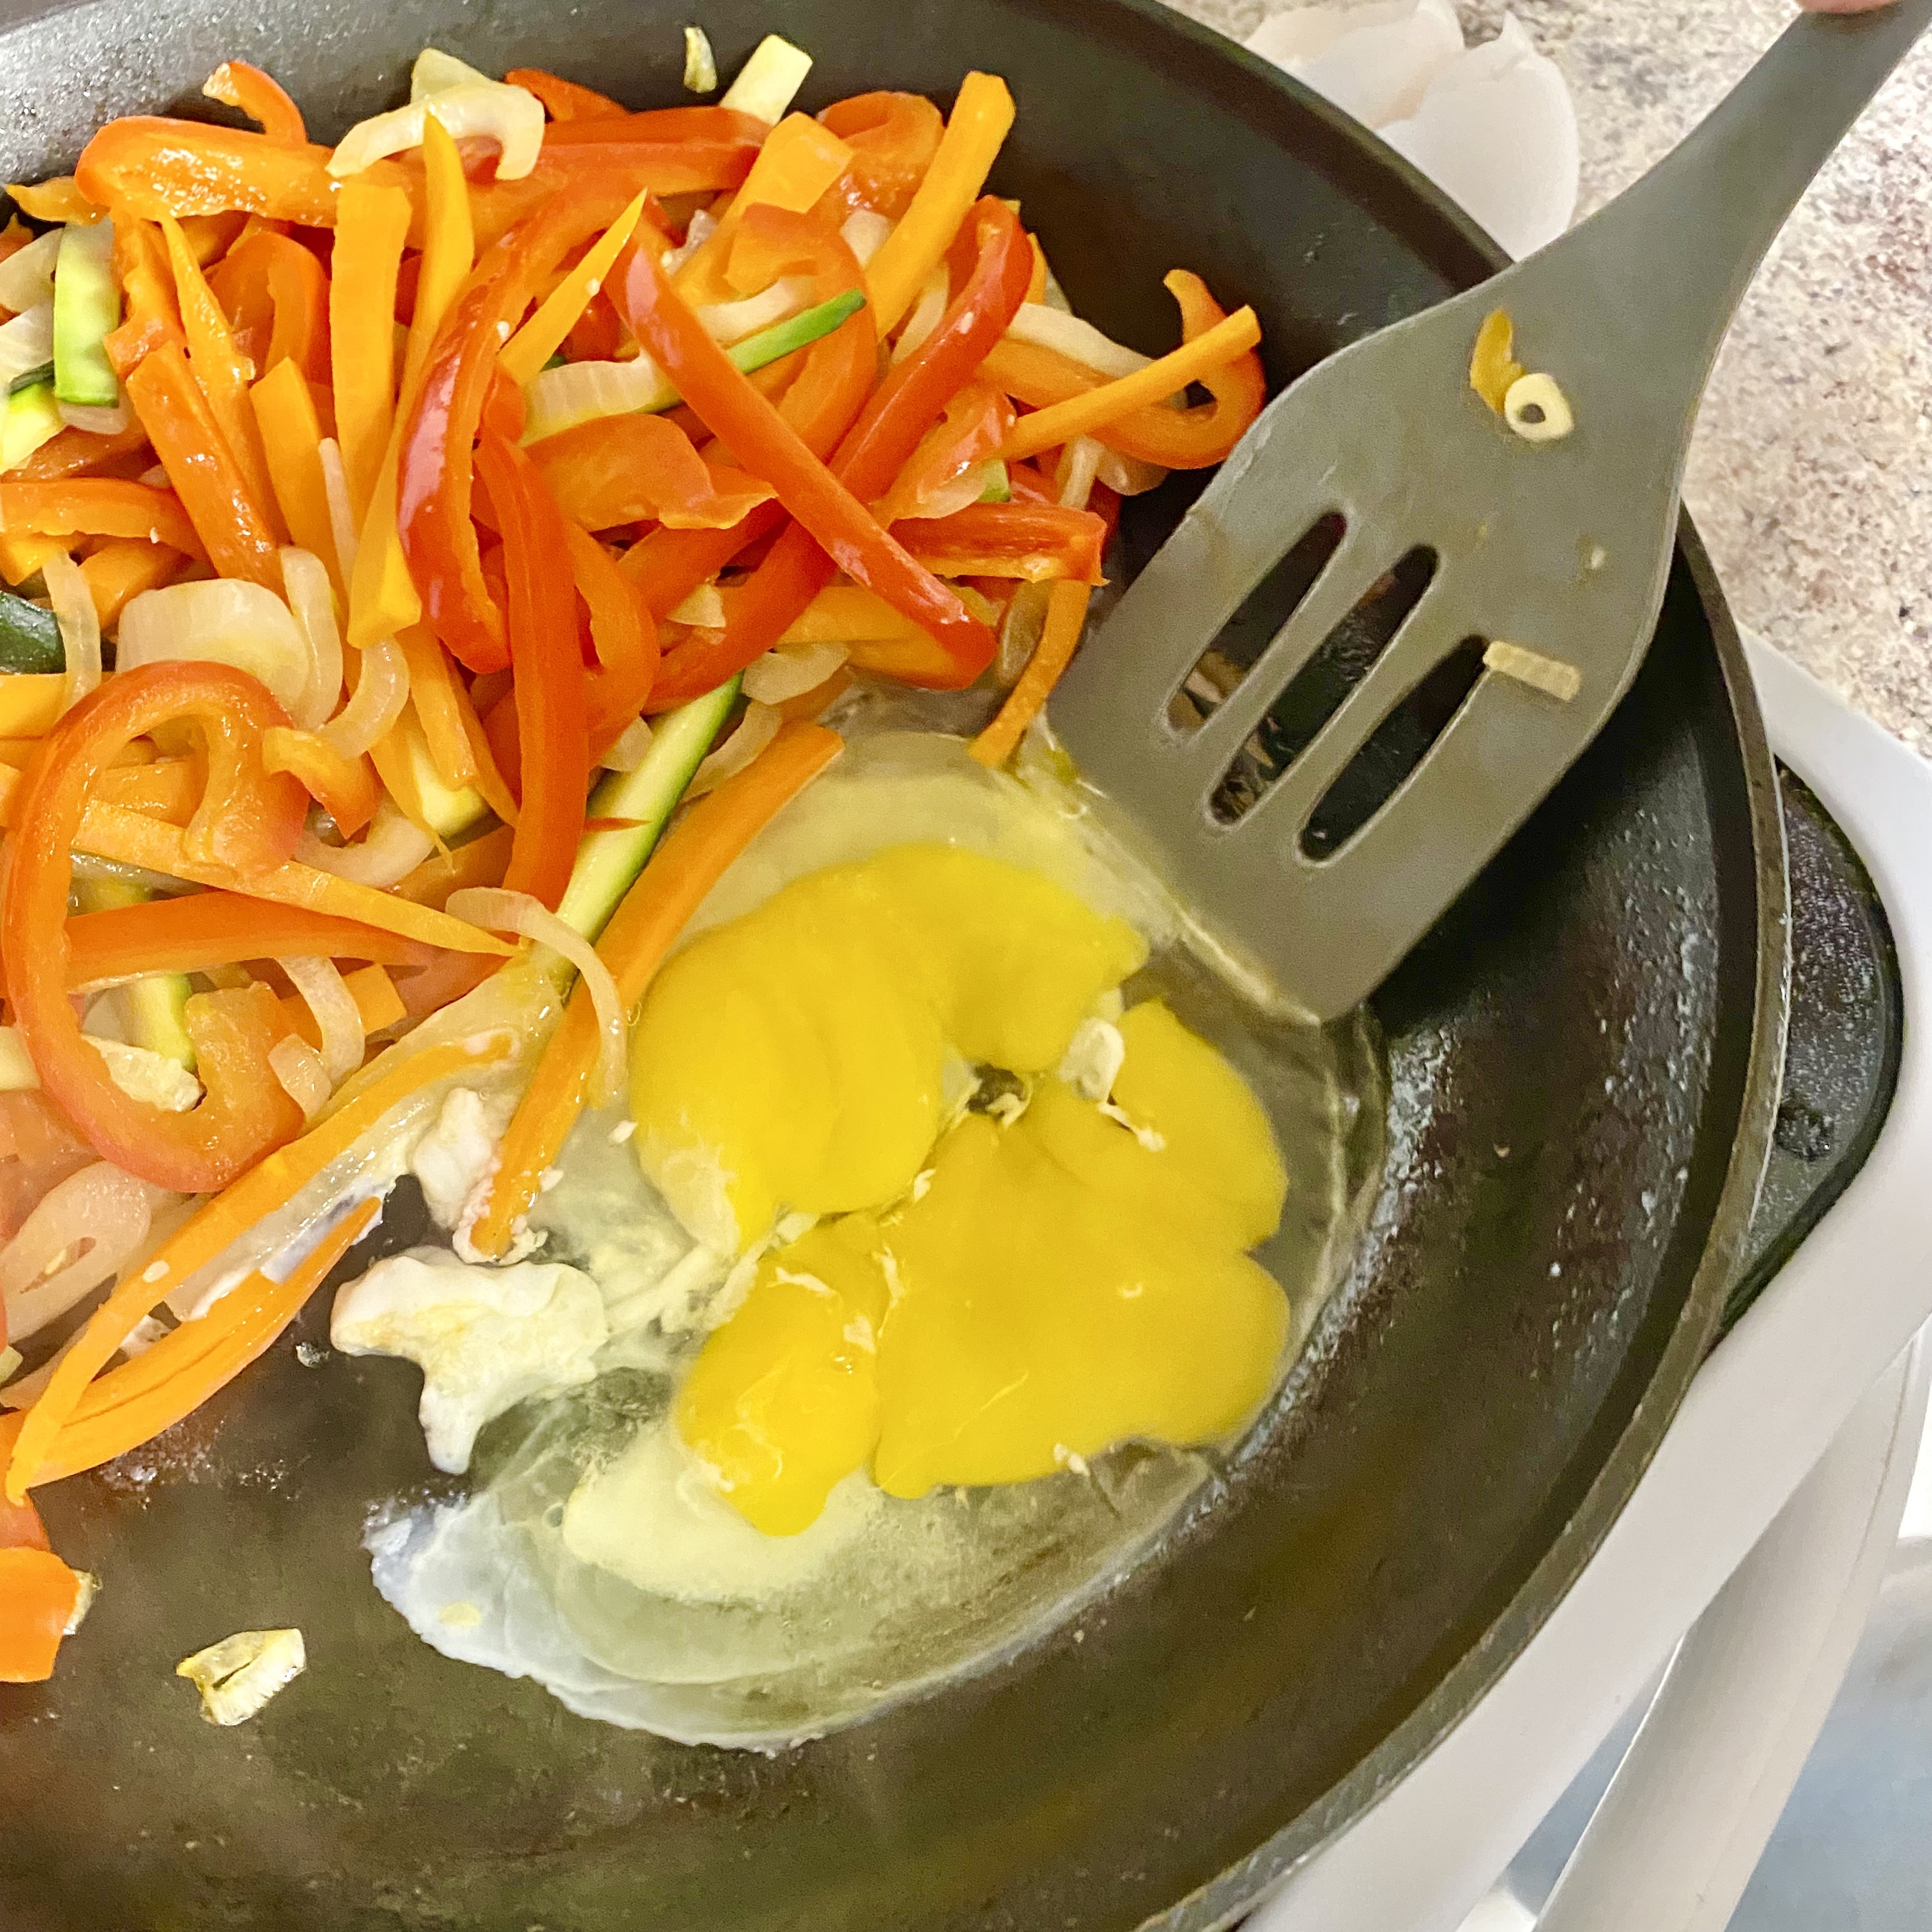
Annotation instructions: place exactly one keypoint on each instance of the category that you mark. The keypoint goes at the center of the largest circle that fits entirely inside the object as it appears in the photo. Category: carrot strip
(274, 1179)
(1066, 618)
(236, 84)
(227, 530)
(371, 224)
(199, 930)
(291, 433)
(974, 131)
(690, 861)
(122, 567)
(111, 1420)
(1167, 376)
(222, 372)
(538, 340)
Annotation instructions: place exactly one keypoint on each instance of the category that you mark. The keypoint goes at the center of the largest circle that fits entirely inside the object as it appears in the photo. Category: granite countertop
(1810, 474)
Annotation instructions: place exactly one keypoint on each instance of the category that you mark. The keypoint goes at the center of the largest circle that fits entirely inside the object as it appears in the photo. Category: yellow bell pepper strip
(1189, 439)
(23, 553)
(122, 567)
(433, 689)
(372, 222)
(150, 314)
(38, 1594)
(227, 528)
(539, 339)
(974, 131)
(100, 506)
(1059, 638)
(57, 199)
(1091, 413)
(345, 787)
(691, 858)
(197, 931)
(236, 84)
(761, 439)
(267, 1186)
(29, 704)
(222, 373)
(132, 1405)
(291, 433)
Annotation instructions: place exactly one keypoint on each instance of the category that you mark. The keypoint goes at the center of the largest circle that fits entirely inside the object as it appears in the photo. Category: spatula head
(1254, 735)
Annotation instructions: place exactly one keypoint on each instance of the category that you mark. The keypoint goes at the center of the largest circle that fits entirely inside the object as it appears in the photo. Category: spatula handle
(1691, 233)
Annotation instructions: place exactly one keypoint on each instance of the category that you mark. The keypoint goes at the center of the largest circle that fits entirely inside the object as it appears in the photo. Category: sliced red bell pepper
(236, 84)
(549, 667)
(624, 470)
(1034, 542)
(884, 439)
(434, 478)
(247, 823)
(893, 138)
(564, 100)
(975, 424)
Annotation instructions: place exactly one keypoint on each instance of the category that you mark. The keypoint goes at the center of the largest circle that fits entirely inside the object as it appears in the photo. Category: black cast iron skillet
(1583, 1063)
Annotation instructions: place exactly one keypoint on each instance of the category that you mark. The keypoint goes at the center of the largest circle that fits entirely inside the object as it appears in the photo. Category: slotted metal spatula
(1561, 547)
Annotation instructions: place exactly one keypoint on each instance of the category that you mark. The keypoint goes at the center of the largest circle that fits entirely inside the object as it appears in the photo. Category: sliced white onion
(27, 278)
(578, 392)
(926, 314)
(1051, 327)
(512, 117)
(1020, 632)
(1128, 476)
(23, 1391)
(700, 64)
(497, 910)
(341, 513)
(435, 72)
(312, 604)
(790, 671)
(299, 1067)
(756, 729)
(338, 1017)
(96, 418)
(102, 1211)
(769, 80)
(961, 493)
(703, 609)
(390, 850)
(731, 322)
(864, 233)
(143, 1074)
(219, 620)
(701, 227)
(79, 624)
(1079, 464)
(382, 690)
(628, 752)
(27, 342)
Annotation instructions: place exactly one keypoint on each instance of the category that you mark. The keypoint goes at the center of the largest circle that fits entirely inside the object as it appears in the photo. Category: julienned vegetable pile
(438, 501)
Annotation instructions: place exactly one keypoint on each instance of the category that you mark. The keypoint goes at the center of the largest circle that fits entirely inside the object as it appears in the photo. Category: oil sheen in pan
(587, 1555)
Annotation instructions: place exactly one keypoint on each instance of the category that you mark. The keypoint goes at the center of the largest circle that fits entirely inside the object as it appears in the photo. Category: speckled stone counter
(1811, 474)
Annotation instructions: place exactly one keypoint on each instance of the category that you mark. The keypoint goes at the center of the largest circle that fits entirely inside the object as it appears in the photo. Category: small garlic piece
(700, 66)
(1551, 675)
(237, 1676)
(1538, 409)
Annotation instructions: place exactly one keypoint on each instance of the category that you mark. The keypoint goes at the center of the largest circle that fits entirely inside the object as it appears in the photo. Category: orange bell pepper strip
(150, 314)
(346, 788)
(169, 789)
(222, 373)
(766, 444)
(58, 199)
(371, 224)
(893, 138)
(1059, 638)
(691, 859)
(565, 100)
(482, 862)
(1190, 439)
(236, 84)
(225, 527)
(435, 470)
(888, 431)
(122, 567)
(982, 113)
(77, 452)
(38, 1594)
(209, 236)
(14, 238)
(276, 295)
(99, 506)
(291, 433)
(669, 150)
(622, 469)
(1032, 541)
(197, 931)
(549, 667)
(152, 167)
(269, 1184)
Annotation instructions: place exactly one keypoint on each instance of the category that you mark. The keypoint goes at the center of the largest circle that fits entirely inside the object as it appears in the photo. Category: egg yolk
(1025, 1293)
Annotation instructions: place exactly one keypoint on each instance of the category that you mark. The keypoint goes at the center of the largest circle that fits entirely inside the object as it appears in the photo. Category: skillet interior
(1581, 1061)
